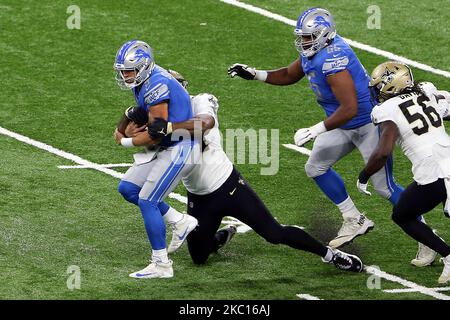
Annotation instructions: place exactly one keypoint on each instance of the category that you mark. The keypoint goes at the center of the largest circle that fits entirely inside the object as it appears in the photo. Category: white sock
(172, 216)
(348, 209)
(329, 256)
(160, 255)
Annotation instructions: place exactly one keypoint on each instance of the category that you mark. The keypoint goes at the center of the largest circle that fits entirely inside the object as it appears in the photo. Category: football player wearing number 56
(412, 115)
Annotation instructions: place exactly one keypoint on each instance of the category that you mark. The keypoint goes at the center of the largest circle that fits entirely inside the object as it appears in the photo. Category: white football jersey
(420, 125)
(215, 167)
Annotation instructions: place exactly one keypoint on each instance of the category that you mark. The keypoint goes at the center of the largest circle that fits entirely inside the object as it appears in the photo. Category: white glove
(428, 89)
(302, 136)
(362, 187)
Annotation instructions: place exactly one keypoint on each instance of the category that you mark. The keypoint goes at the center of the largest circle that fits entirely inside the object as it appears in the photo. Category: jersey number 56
(433, 117)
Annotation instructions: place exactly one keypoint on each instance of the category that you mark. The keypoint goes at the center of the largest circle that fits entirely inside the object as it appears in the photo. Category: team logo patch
(158, 92)
(335, 63)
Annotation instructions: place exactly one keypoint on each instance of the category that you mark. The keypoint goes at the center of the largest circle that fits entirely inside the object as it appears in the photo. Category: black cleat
(347, 262)
(225, 235)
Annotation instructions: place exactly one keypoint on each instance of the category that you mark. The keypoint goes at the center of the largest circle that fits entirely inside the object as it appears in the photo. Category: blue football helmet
(318, 25)
(136, 56)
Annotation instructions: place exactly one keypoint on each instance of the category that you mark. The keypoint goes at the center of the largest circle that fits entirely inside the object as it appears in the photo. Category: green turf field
(58, 87)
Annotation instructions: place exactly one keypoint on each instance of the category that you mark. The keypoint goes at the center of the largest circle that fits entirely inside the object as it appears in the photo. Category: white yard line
(406, 283)
(83, 163)
(302, 150)
(307, 297)
(107, 165)
(353, 43)
(438, 289)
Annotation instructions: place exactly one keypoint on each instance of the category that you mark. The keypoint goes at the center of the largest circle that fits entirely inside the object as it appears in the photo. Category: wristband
(319, 128)
(363, 177)
(261, 75)
(127, 142)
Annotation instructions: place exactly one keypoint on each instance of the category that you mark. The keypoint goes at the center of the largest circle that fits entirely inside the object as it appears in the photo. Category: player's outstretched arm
(378, 158)
(343, 88)
(282, 77)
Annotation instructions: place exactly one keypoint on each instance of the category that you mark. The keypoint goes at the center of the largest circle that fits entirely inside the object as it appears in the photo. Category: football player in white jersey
(216, 189)
(412, 114)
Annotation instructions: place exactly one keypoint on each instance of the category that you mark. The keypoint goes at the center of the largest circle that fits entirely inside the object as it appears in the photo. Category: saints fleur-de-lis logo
(387, 76)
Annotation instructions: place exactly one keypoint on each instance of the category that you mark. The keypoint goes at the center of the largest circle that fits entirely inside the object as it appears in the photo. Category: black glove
(242, 70)
(137, 115)
(159, 128)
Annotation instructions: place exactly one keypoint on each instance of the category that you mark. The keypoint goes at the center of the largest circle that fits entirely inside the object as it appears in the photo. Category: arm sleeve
(157, 93)
(335, 62)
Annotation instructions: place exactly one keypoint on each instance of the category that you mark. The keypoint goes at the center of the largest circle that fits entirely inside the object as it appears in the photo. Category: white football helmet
(136, 56)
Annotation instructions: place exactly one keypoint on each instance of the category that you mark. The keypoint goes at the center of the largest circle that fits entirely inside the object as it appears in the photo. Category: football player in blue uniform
(340, 84)
(157, 170)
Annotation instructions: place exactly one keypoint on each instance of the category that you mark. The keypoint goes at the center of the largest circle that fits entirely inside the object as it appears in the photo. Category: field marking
(356, 44)
(438, 289)
(83, 163)
(406, 283)
(307, 297)
(302, 150)
(108, 165)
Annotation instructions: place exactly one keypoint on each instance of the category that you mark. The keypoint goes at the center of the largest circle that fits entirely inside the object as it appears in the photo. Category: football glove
(363, 182)
(427, 89)
(303, 136)
(159, 128)
(362, 187)
(137, 115)
(242, 70)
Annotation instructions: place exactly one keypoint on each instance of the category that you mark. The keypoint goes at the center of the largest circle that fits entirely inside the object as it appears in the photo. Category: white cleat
(156, 269)
(425, 256)
(351, 229)
(180, 231)
(445, 276)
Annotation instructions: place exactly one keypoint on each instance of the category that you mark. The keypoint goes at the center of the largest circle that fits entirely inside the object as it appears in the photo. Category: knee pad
(199, 260)
(398, 215)
(129, 191)
(313, 170)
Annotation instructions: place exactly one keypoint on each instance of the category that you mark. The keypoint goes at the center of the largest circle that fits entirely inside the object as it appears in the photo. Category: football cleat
(347, 262)
(425, 256)
(229, 231)
(180, 231)
(445, 276)
(156, 269)
(351, 229)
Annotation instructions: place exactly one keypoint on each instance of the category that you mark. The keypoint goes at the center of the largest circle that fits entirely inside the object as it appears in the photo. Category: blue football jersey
(335, 57)
(160, 87)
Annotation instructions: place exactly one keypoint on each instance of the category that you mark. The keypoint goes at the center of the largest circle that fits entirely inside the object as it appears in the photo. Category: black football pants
(415, 201)
(237, 199)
